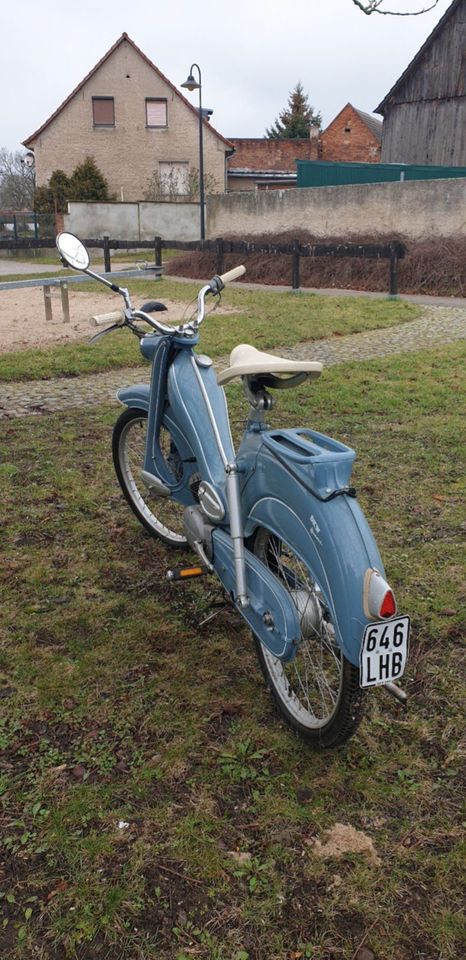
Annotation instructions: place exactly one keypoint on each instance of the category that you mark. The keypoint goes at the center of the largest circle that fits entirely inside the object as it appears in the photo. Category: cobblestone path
(436, 326)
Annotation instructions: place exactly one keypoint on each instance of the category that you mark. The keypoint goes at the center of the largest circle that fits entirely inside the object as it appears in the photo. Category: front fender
(334, 542)
(136, 396)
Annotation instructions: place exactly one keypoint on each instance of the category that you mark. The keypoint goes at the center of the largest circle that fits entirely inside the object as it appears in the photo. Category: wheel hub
(309, 610)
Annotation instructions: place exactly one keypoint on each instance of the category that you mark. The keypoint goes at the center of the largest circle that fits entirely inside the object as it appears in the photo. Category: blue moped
(277, 521)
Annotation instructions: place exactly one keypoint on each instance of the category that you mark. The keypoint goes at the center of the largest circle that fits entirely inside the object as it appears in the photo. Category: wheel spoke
(166, 521)
(310, 685)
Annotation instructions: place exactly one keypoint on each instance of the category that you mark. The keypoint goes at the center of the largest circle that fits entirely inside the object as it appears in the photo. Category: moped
(277, 521)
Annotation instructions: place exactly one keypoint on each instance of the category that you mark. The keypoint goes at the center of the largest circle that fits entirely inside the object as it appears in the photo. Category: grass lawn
(153, 806)
(265, 318)
(97, 259)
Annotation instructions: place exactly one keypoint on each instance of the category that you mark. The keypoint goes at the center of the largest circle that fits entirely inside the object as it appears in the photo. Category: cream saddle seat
(246, 361)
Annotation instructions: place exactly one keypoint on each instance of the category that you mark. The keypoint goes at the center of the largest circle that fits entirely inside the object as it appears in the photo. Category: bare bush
(436, 267)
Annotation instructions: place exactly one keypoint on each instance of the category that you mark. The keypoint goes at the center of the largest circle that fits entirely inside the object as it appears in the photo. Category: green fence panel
(325, 173)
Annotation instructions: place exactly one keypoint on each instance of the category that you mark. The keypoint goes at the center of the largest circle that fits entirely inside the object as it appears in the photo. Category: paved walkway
(438, 325)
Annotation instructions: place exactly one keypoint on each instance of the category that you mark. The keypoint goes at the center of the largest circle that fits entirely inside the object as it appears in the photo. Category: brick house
(262, 164)
(134, 122)
(352, 137)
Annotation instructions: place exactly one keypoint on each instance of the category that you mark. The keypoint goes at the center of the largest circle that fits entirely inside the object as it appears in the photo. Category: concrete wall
(134, 221)
(415, 209)
(129, 152)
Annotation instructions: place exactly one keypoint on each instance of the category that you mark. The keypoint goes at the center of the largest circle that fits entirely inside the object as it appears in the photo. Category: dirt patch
(23, 323)
(342, 839)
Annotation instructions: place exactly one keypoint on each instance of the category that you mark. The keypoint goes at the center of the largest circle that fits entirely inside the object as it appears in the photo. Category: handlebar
(219, 282)
(127, 316)
(117, 316)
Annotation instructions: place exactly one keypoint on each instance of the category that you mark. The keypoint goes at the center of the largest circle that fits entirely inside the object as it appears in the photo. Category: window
(156, 112)
(174, 179)
(103, 111)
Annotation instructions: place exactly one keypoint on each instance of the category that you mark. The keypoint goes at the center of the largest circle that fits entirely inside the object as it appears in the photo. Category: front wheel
(318, 692)
(162, 517)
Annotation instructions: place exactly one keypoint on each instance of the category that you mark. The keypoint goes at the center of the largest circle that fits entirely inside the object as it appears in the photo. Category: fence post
(393, 289)
(158, 251)
(107, 263)
(295, 266)
(15, 227)
(219, 255)
(36, 226)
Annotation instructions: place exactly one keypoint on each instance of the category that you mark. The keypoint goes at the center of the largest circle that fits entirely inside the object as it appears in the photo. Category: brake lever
(101, 333)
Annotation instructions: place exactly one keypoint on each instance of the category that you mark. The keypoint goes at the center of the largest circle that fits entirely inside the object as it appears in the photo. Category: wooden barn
(425, 111)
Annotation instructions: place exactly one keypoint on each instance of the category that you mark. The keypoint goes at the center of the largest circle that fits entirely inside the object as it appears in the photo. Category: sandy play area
(23, 323)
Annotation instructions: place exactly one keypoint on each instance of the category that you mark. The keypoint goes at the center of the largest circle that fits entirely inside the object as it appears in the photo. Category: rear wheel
(318, 692)
(162, 517)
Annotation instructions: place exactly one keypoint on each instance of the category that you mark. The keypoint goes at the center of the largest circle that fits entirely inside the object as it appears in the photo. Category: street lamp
(192, 84)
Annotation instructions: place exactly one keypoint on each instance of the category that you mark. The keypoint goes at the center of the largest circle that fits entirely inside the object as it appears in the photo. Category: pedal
(185, 573)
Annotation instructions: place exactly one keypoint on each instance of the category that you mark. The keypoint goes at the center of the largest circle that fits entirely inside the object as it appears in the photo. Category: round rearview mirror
(73, 251)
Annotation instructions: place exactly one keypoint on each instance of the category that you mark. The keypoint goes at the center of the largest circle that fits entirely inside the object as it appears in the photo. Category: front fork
(236, 532)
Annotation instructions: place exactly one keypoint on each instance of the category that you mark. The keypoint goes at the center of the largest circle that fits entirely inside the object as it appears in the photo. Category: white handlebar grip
(232, 274)
(117, 316)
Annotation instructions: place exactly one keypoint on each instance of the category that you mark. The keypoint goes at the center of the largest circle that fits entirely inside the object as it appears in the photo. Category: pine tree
(87, 182)
(295, 120)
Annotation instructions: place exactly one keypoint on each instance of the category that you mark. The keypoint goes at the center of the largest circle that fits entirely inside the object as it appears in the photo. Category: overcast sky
(251, 53)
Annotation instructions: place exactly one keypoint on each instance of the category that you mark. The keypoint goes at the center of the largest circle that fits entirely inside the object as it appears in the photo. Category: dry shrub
(436, 267)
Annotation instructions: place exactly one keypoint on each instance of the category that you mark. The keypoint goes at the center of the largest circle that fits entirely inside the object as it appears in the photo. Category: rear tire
(317, 693)
(162, 517)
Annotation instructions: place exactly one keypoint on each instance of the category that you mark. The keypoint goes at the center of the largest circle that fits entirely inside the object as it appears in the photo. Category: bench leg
(48, 304)
(65, 302)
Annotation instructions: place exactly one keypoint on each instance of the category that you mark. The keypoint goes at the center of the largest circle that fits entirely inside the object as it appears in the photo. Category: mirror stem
(113, 286)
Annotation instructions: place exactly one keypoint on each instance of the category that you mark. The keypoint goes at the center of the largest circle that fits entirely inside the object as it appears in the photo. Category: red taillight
(388, 606)
(379, 599)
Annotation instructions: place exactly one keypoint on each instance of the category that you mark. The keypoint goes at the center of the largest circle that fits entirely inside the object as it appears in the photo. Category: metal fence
(26, 224)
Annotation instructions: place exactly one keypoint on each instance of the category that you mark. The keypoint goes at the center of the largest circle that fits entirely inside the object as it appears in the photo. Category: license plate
(384, 651)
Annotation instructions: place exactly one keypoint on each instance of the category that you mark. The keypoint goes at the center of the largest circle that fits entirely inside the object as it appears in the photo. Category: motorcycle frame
(295, 483)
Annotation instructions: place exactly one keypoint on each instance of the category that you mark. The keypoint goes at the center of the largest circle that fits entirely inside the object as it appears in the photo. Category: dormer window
(103, 111)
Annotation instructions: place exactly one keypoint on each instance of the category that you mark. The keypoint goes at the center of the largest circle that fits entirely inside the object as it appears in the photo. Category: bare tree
(16, 181)
(375, 6)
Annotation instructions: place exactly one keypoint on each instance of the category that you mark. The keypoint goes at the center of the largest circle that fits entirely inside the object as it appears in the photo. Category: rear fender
(334, 542)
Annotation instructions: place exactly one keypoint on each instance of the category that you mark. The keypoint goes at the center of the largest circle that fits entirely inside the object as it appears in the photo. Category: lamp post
(192, 84)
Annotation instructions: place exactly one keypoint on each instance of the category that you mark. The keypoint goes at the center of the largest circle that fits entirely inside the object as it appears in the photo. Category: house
(262, 164)
(425, 111)
(135, 123)
(352, 137)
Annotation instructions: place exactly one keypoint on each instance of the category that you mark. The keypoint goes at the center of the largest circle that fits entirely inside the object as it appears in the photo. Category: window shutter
(156, 113)
(103, 111)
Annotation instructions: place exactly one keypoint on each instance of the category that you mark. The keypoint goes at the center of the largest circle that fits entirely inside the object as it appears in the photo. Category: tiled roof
(124, 37)
(375, 125)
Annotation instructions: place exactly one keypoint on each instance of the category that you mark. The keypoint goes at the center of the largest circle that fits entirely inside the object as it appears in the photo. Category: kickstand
(216, 607)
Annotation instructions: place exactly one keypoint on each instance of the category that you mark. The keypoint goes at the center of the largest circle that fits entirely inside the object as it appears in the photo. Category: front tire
(318, 692)
(162, 517)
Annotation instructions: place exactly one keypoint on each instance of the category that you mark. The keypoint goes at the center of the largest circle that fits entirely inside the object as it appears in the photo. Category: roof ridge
(123, 37)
